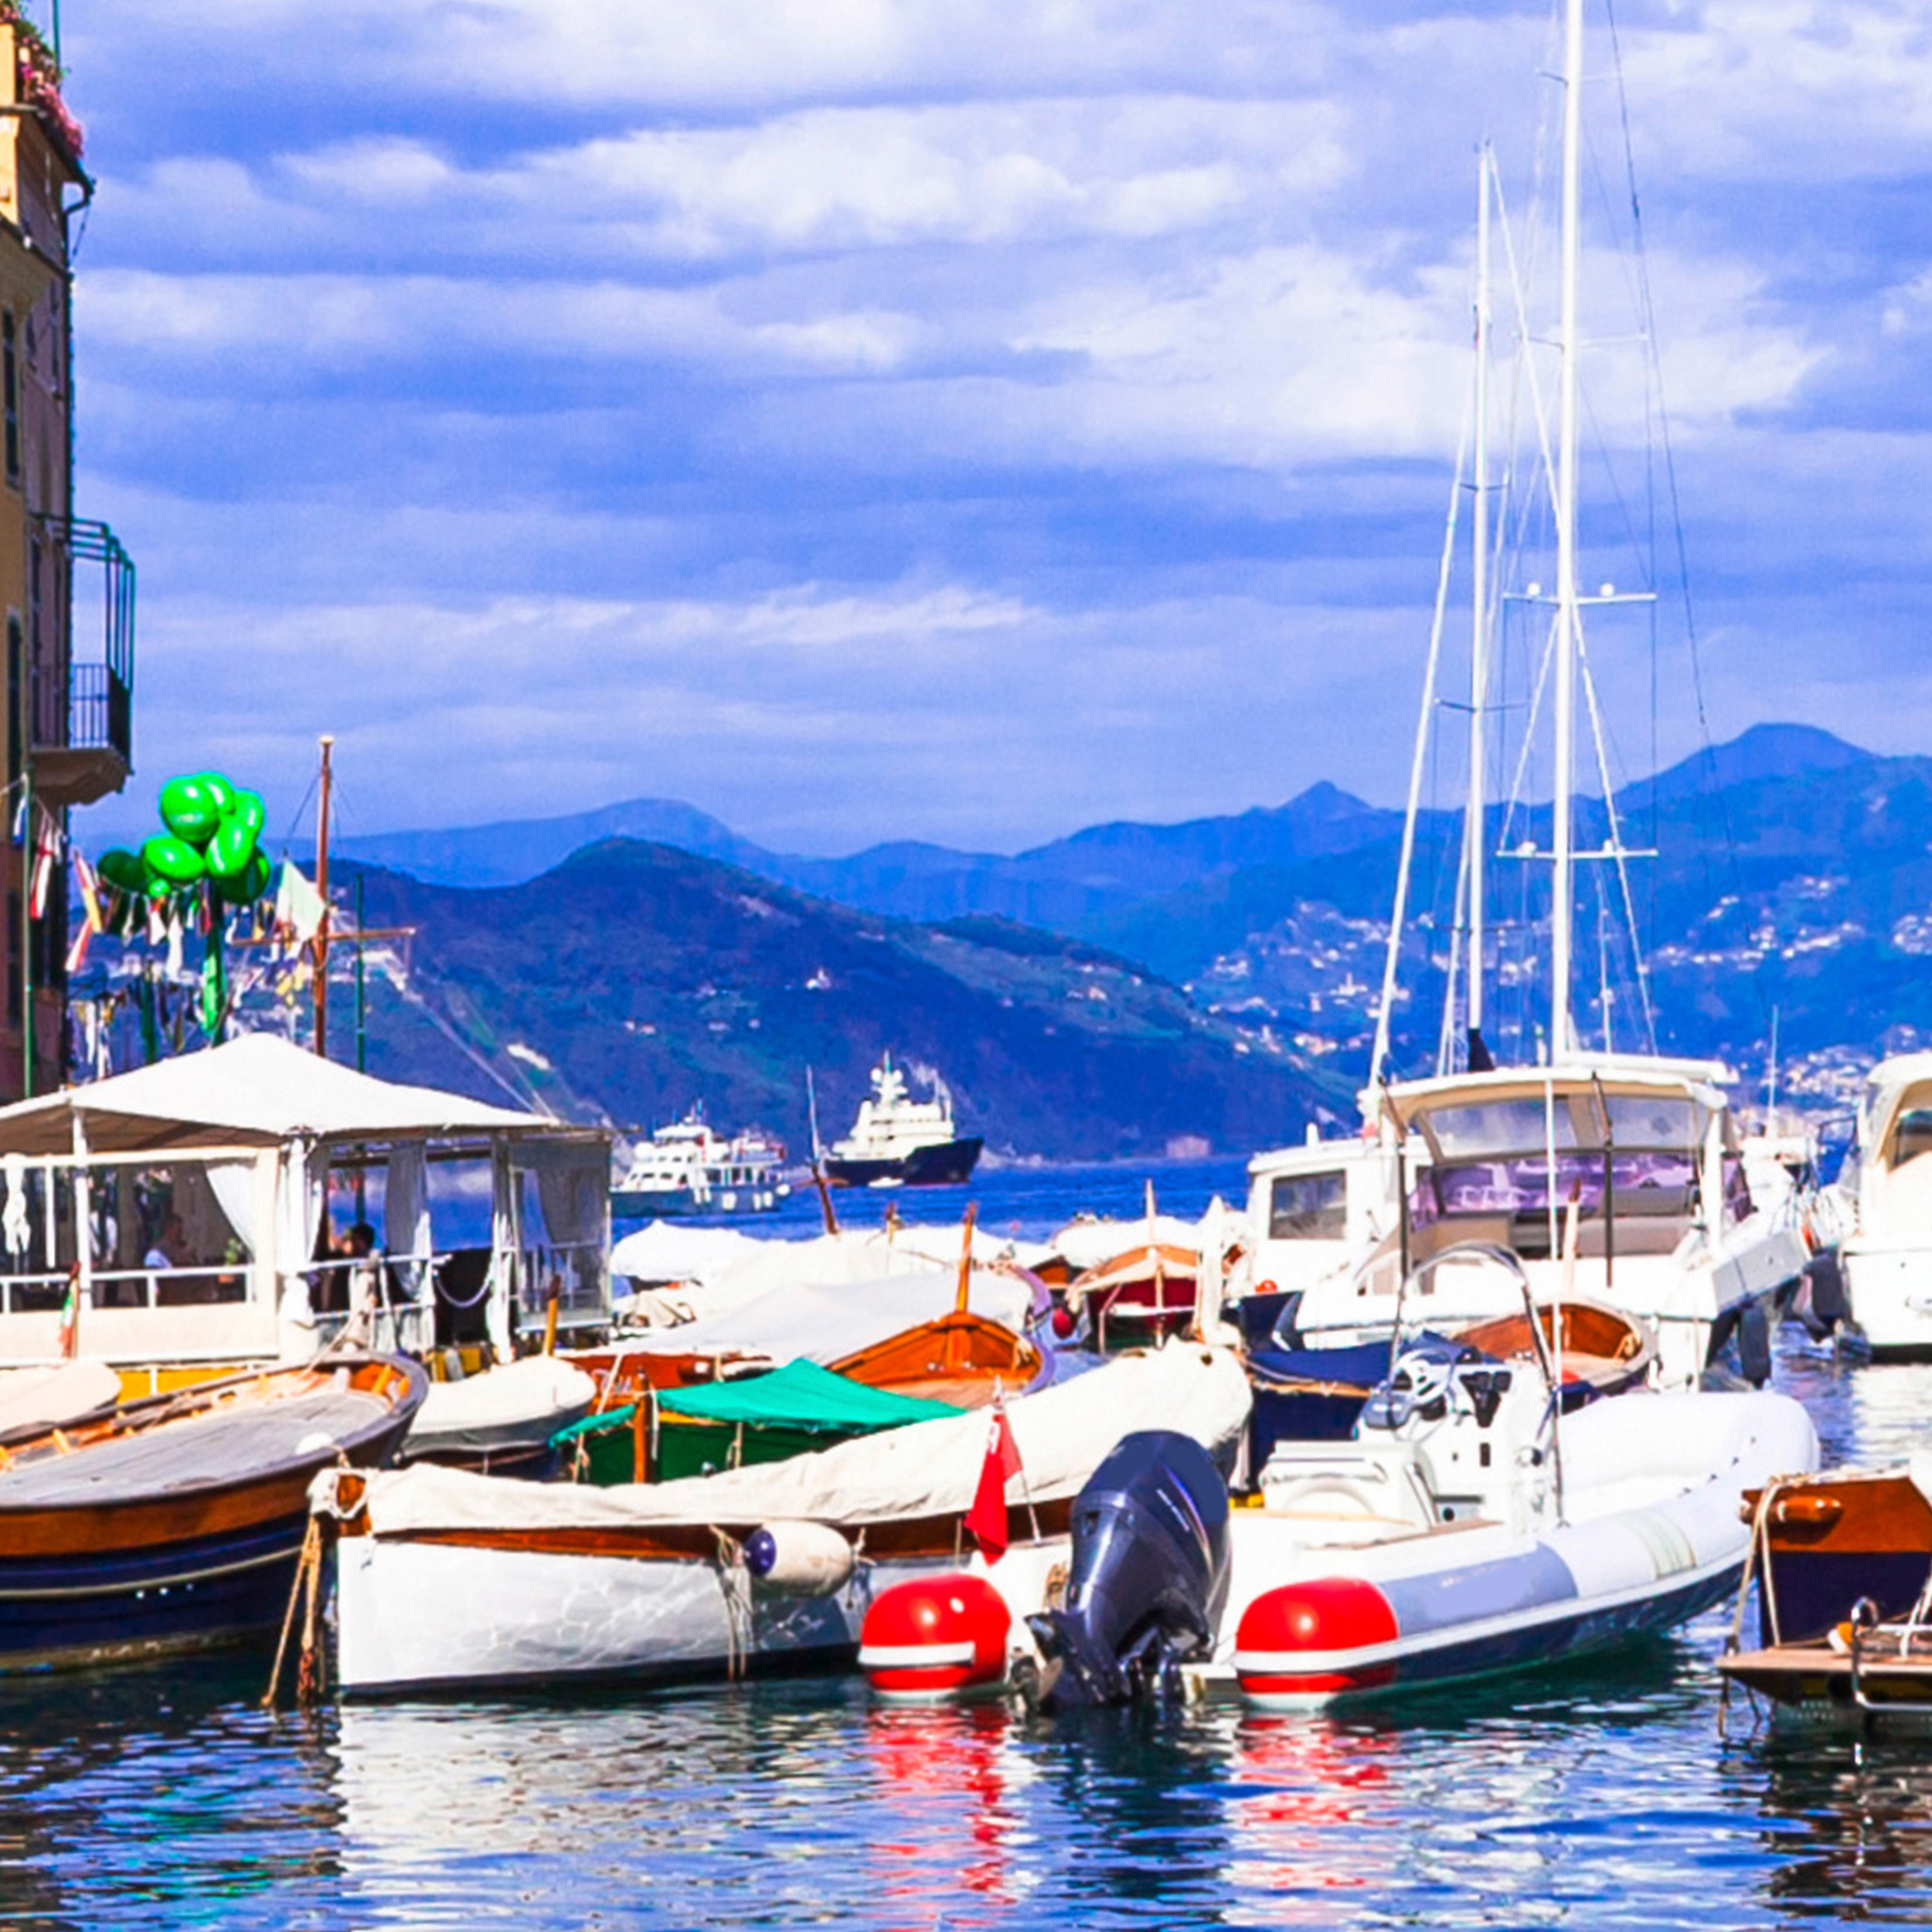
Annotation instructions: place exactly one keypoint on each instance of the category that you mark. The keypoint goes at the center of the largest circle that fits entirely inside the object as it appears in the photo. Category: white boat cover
(731, 1265)
(46, 1398)
(928, 1469)
(1086, 1244)
(822, 1323)
(259, 1089)
(526, 1401)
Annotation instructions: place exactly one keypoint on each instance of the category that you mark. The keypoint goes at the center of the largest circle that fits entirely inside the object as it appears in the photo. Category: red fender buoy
(1301, 1642)
(936, 1636)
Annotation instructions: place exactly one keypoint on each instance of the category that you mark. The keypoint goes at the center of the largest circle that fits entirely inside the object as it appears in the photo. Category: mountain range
(1133, 985)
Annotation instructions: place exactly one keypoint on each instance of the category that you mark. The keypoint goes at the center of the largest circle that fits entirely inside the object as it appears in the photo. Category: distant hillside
(508, 852)
(1055, 885)
(635, 980)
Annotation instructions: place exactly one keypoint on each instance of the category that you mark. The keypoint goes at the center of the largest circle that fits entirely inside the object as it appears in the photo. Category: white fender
(799, 1559)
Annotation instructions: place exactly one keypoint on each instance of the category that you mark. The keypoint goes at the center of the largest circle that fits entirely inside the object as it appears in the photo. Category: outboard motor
(1149, 1575)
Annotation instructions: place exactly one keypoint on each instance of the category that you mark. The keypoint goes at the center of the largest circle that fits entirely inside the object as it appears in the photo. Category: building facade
(66, 586)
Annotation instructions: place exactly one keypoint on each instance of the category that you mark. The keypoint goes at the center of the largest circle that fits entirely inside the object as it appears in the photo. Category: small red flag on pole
(986, 1520)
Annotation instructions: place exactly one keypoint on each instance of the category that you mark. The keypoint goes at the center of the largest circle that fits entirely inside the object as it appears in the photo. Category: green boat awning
(799, 1396)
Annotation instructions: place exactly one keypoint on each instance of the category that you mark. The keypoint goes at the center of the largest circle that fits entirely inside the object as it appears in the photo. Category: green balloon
(231, 849)
(123, 869)
(249, 810)
(159, 890)
(219, 790)
(172, 861)
(190, 809)
(243, 888)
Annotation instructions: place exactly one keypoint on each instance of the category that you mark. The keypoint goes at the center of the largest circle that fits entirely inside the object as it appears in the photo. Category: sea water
(1598, 1794)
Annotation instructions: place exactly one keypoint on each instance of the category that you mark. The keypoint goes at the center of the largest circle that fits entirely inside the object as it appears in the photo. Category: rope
(734, 1582)
(311, 1551)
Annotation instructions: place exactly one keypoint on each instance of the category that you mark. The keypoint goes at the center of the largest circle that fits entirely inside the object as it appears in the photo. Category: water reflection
(1593, 1796)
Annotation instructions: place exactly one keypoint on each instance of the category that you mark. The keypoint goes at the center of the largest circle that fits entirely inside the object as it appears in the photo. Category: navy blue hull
(949, 1164)
(59, 1612)
(1816, 1589)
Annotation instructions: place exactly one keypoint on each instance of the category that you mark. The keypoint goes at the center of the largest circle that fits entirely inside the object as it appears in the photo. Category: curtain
(13, 1218)
(298, 1220)
(503, 1257)
(406, 1216)
(233, 1185)
(574, 1191)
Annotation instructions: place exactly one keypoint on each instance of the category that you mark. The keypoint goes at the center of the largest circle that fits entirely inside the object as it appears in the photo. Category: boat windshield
(1511, 1163)
(1490, 1129)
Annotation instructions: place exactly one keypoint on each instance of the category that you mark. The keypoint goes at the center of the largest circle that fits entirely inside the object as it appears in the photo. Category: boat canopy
(258, 1090)
(188, 1202)
(801, 1395)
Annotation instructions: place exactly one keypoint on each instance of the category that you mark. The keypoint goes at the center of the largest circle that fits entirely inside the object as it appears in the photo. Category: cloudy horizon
(874, 420)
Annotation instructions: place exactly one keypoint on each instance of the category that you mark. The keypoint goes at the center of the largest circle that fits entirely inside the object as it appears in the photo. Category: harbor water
(1600, 1794)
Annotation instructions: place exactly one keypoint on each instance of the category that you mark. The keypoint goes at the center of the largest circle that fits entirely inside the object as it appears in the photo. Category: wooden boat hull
(1835, 1538)
(107, 1579)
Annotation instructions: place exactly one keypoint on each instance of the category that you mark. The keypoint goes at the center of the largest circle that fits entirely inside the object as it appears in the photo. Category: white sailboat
(1607, 1174)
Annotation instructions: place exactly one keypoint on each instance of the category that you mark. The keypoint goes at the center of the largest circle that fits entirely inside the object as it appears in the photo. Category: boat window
(1308, 1207)
(1653, 1120)
(1649, 1186)
(1913, 1135)
(1498, 1127)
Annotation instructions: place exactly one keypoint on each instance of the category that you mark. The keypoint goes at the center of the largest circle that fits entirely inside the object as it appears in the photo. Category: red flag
(986, 1520)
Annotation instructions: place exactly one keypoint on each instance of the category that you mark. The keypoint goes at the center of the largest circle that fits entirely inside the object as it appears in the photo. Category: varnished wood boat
(1828, 1541)
(962, 1358)
(174, 1523)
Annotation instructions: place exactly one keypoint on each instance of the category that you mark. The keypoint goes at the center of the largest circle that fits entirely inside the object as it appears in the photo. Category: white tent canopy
(258, 1090)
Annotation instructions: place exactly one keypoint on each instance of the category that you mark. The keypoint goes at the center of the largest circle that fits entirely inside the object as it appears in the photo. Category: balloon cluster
(212, 838)
(213, 830)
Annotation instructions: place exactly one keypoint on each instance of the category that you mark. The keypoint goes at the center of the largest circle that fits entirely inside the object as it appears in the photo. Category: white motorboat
(445, 1578)
(1608, 1178)
(687, 1168)
(1475, 1522)
(1887, 1260)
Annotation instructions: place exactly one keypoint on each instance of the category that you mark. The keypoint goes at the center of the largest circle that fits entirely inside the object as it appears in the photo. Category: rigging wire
(1670, 479)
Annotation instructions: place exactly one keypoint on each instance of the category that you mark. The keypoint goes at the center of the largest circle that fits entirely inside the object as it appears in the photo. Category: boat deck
(191, 1452)
(1821, 1675)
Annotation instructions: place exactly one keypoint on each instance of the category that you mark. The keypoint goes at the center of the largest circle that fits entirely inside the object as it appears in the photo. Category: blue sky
(935, 418)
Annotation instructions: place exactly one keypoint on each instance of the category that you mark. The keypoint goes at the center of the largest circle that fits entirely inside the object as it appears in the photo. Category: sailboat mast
(1568, 621)
(1479, 647)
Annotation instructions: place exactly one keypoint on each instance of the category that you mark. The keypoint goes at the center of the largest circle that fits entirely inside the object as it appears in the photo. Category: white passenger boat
(688, 1168)
(445, 1578)
(1887, 1260)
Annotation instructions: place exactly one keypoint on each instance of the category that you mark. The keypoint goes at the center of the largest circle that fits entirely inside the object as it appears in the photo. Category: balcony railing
(80, 706)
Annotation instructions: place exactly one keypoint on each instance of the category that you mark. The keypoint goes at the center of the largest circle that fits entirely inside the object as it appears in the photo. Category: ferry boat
(687, 1168)
(899, 1141)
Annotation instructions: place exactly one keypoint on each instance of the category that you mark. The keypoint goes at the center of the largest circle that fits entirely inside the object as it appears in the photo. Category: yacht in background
(899, 1141)
(686, 1168)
